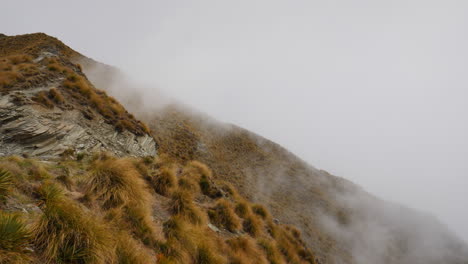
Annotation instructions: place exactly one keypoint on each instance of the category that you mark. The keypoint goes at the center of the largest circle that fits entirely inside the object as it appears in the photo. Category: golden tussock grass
(164, 181)
(245, 250)
(130, 251)
(242, 209)
(17, 70)
(116, 222)
(206, 254)
(187, 183)
(56, 96)
(189, 244)
(49, 98)
(182, 205)
(115, 183)
(123, 125)
(67, 233)
(10, 78)
(261, 211)
(252, 225)
(223, 215)
(21, 58)
(272, 252)
(198, 169)
(140, 221)
(43, 99)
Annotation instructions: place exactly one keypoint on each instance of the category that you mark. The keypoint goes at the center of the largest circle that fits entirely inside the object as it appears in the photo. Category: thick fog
(372, 91)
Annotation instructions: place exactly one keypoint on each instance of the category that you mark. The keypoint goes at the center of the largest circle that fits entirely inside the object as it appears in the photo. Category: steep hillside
(205, 217)
(341, 222)
(107, 210)
(48, 106)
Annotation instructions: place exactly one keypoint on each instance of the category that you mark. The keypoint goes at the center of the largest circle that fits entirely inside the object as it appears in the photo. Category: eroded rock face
(30, 128)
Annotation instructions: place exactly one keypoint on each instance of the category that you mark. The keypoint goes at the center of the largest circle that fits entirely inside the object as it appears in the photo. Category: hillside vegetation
(103, 209)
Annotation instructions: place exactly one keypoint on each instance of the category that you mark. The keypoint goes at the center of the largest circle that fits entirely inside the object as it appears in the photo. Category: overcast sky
(373, 91)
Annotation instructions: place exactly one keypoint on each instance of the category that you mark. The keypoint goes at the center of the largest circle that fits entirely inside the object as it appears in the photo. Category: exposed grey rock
(38, 131)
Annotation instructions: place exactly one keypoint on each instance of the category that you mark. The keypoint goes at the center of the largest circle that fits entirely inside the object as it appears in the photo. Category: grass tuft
(246, 251)
(66, 233)
(182, 205)
(206, 254)
(115, 183)
(252, 225)
(5, 183)
(223, 215)
(272, 252)
(14, 239)
(164, 181)
(130, 251)
(260, 210)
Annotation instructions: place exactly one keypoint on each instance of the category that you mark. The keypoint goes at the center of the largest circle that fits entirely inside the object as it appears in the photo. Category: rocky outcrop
(26, 127)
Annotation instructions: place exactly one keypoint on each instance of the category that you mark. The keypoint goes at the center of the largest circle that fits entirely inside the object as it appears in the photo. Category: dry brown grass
(18, 72)
(245, 251)
(187, 183)
(130, 251)
(272, 252)
(252, 225)
(182, 205)
(223, 215)
(116, 183)
(42, 98)
(242, 209)
(56, 96)
(261, 211)
(20, 58)
(164, 181)
(125, 218)
(66, 233)
(10, 78)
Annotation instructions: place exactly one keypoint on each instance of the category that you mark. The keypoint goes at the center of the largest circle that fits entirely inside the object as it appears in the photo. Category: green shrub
(5, 183)
(14, 239)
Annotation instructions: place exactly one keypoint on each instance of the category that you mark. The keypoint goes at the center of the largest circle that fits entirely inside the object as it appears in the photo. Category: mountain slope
(48, 105)
(339, 222)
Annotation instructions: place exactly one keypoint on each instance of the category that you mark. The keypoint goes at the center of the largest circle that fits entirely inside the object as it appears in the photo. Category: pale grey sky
(373, 91)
